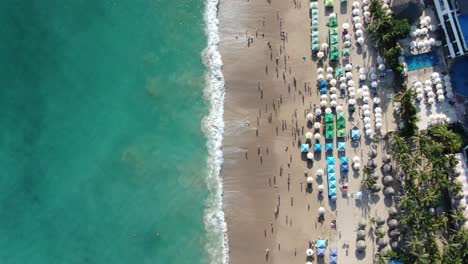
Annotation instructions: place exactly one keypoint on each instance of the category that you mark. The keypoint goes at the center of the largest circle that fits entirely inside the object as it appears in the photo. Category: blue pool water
(458, 74)
(425, 60)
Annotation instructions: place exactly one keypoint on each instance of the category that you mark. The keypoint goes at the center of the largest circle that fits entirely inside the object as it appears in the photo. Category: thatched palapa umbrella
(394, 245)
(389, 191)
(361, 234)
(382, 242)
(388, 180)
(380, 220)
(362, 223)
(376, 187)
(392, 224)
(374, 176)
(372, 153)
(386, 158)
(387, 168)
(371, 164)
(394, 233)
(392, 211)
(361, 245)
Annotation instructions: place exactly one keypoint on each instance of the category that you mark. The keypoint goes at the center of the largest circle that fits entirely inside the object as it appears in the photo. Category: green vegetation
(386, 31)
(407, 111)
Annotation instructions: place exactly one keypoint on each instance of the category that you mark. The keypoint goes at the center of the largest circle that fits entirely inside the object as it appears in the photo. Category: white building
(448, 12)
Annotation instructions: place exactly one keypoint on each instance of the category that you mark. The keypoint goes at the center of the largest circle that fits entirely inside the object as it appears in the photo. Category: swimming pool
(420, 61)
(458, 74)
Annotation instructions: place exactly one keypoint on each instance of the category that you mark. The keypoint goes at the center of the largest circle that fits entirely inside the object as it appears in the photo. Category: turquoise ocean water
(101, 142)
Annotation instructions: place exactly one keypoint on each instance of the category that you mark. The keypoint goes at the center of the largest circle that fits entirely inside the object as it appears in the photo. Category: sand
(253, 183)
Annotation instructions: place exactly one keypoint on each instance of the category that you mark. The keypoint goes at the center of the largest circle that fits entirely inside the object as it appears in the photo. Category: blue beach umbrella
(341, 146)
(304, 148)
(331, 160)
(332, 192)
(344, 168)
(331, 176)
(333, 260)
(333, 251)
(344, 160)
(323, 83)
(331, 168)
(332, 184)
(329, 147)
(355, 134)
(322, 243)
(321, 252)
(323, 90)
(317, 147)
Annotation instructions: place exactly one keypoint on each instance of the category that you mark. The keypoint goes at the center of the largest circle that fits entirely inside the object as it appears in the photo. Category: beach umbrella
(324, 46)
(394, 234)
(361, 245)
(318, 112)
(386, 158)
(392, 211)
(378, 119)
(328, 110)
(352, 102)
(362, 77)
(358, 195)
(333, 82)
(314, 22)
(362, 224)
(329, 76)
(310, 156)
(378, 125)
(365, 107)
(352, 94)
(350, 83)
(348, 67)
(361, 234)
(356, 159)
(367, 126)
(310, 179)
(330, 160)
(430, 101)
(357, 166)
(329, 147)
(367, 113)
(329, 69)
(356, 12)
(428, 82)
(419, 96)
(317, 125)
(343, 79)
(321, 252)
(345, 26)
(333, 96)
(321, 210)
(367, 14)
(317, 136)
(428, 89)
(356, 19)
(441, 98)
(360, 40)
(347, 37)
(321, 187)
(355, 134)
(382, 242)
(439, 92)
(323, 97)
(332, 15)
(358, 25)
(320, 54)
(351, 89)
(369, 132)
(304, 148)
(343, 85)
(364, 94)
(333, 252)
(373, 76)
(346, 53)
(371, 164)
(417, 84)
(431, 94)
(359, 33)
(378, 110)
(389, 191)
(319, 172)
(437, 80)
(308, 135)
(333, 89)
(366, 119)
(320, 77)
(347, 44)
(310, 116)
(376, 187)
(374, 84)
(419, 90)
(333, 103)
(333, 260)
(435, 75)
(309, 252)
(439, 86)
(394, 245)
(339, 108)
(355, 4)
(323, 103)
(381, 67)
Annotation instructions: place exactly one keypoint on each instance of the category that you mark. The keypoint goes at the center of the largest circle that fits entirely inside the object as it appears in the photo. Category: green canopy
(329, 3)
(346, 52)
(314, 17)
(329, 118)
(315, 47)
(333, 22)
(334, 55)
(329, 126)
(314, 5)
(315, 34)
(334, 31)
(315, 41)
(341, 125)
(341, 133)
(339, 72)
(340, 116)
(314, 12)
(334, 40)
(334, 47)
(329, 134)
(315, 28)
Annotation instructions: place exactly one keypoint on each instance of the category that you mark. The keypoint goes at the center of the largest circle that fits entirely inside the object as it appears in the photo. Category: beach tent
(329, 134)
(331, 168)
(323, 90)
(344, 168)
(330, 160)
(355, 134)
(329, 118)
(328, 3)
(333, 251)
(332, 192)
(339, 72)
(317, 147)
(329, 147)
(341, 133)
(321, 252)
(340, 116)
(322, 243)
(346, 53)
(334, 55)
(341, 146)
(333, 260)
(323, 83)
(331, 176)
(340, 125)
(304, 148)
(344, 160)
(315, 47)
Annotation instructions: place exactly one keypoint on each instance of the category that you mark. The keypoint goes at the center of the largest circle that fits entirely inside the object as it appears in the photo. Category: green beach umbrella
(346, 53)
(329, 118)
(341, 133)
(340, 116)
(314, 17)
(315, 34)
(341, 125)
(314, 12)
(334, 56)
(339, 72)
(329, 134)
(329, 126)
(329, 3)
(315, 28)
(334, 32)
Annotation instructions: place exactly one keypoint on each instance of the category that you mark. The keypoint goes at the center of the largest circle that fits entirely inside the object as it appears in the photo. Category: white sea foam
(217, 245)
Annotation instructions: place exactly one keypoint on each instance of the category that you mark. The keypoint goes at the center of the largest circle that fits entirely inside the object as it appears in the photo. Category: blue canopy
(331, 168)
(323, 83)
(355, 134)
(341, 146)
(322, 243)
(317, 147)
(331, 177)
(323, 90)
(333, 251)
(344, 160)
(329, 147)
(332, 192)
(330, 160)
(321, 252)
(332, 184)
(333, 260)
(344, 168)
(304, 148)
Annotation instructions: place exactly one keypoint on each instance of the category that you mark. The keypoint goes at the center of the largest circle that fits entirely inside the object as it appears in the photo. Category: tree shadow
(374, 198)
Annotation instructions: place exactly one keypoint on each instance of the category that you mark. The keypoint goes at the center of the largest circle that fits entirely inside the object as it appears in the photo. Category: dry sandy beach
(268, 92)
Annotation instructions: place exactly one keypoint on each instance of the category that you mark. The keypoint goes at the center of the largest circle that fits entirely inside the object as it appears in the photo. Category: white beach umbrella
(329, 76)
(374, 84)
(378, 125)
(319, 172)
(360, 40)
(356, 12)
(315, 22)
(373, 76)
(362, 70)
(428, 89)
(324, 46)
(359, 33)
(320, 54)
(439, 92)
(378, 119)
(439, 86)
(329, 69)
(378, 110)
(308, 135)
(378, 115)
(435, 75)
(382, 67)
(310, 156)
(332, 15)
(365, 88)
(339, 108)
(352, 95)
(343, 85)
(347, 44)
(317, 125)
(430, 101)
(417, 84)
(367, 113)
(345, 26)
(441, 98)
(369, 132)
(350, 83)
(428, 82)
(333, 82)
(333, 90)
(367, 126)
(431, 94)
(366, 119)
(352, 101)
(356, 159)
(323, 103)
(367, 14)
(365, 94)
(358, 25)
(318, 112)
(366, 99)
(365, 107)
(319, 70)
(310, 179)
(333, 103)
(351, 89)
(358, 195)
(321, 210)
(357, 166)
(413, 44)
(321, 187)
(362, 77)
(310, 116)
(328, 110)
(419, 96)
(437, 80)
(317, 136)
(419, 90)
(347, 37)
(349, 75)
(323, 97)
(355, 4)
(309, 252)
(376, 100)
(320, 77)
(348, 67)
(365, 2)
(356, 19)
(333, 96)
(343, 79)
